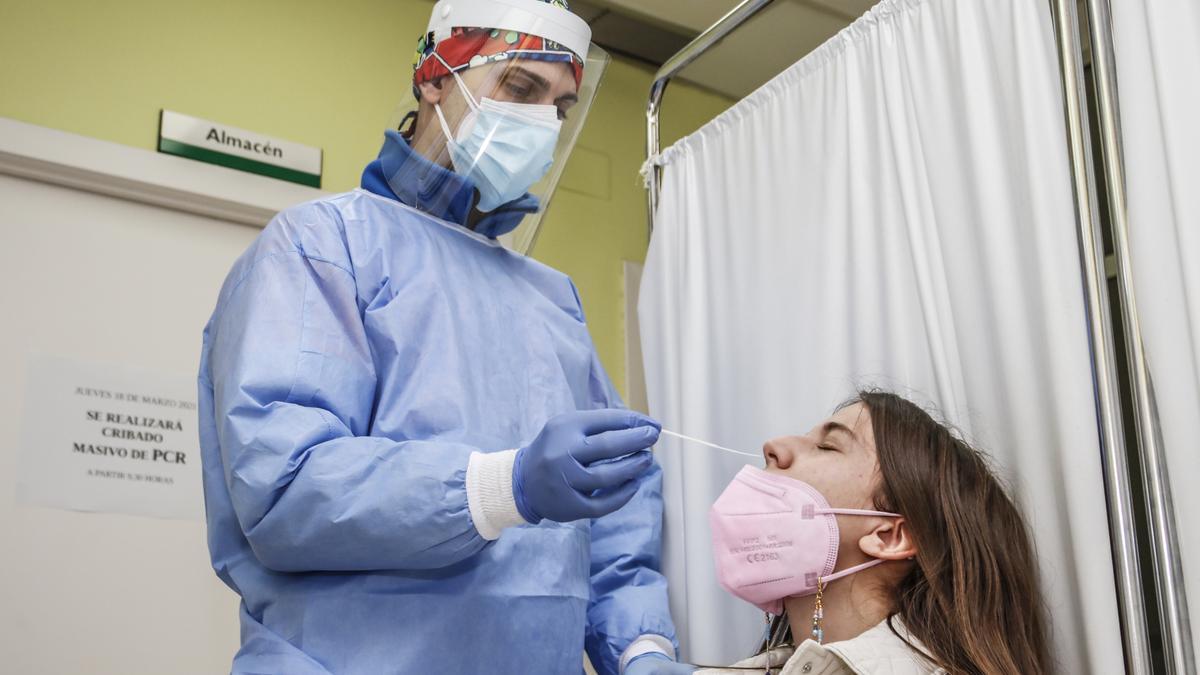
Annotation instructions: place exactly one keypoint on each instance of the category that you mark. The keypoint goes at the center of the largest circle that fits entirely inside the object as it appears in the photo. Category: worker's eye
(517, 91)
(520, 87)
(565, 103)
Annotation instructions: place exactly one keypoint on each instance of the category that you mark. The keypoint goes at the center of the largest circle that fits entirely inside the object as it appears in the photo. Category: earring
(818, 630)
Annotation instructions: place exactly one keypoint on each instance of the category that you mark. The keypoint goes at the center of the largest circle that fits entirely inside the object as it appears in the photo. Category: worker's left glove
(655, 663)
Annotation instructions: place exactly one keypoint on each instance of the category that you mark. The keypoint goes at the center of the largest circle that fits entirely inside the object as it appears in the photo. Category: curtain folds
(893, 210)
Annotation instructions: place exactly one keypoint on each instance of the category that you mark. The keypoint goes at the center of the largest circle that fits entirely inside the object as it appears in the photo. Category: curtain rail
(690, 52)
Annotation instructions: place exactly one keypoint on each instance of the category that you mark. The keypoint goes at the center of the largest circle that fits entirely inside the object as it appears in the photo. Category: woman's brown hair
(972, 598)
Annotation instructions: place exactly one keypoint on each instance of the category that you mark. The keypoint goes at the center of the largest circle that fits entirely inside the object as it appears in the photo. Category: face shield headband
(458, 37)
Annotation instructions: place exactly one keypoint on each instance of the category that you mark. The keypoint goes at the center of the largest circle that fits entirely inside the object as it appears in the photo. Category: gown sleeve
(294, 386)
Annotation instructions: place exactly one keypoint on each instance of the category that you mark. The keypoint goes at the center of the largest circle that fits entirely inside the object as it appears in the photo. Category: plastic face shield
(523, 56)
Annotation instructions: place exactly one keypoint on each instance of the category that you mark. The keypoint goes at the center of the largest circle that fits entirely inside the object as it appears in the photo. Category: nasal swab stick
(711, 445)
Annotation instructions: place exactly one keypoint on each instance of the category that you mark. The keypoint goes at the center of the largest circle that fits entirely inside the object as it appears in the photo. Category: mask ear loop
(442, 120)
(462, 86)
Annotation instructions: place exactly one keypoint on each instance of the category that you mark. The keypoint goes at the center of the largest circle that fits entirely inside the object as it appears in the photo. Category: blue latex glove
(656, 663)
(583, 465)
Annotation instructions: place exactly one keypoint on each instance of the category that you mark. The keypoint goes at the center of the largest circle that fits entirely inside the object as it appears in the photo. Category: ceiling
(653, 30)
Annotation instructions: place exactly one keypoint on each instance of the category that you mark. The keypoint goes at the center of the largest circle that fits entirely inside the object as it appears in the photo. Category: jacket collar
(876, 650)
(879, 649)
(402, 174)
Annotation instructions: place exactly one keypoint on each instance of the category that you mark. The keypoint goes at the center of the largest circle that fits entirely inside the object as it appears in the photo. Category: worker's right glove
(583, 465)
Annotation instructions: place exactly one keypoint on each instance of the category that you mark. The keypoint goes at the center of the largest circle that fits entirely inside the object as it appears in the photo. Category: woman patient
(881, 543)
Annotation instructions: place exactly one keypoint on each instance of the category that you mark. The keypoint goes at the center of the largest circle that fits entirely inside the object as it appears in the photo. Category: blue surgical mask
(504, 148)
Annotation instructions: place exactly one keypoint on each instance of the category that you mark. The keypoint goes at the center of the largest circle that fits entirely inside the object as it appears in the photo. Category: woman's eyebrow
(832, 426)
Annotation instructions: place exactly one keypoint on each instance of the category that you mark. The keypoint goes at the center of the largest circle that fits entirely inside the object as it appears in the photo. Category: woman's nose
(778, 454)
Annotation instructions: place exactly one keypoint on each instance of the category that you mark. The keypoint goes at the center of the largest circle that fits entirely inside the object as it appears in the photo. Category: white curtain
(893, 210)
(1157, 44)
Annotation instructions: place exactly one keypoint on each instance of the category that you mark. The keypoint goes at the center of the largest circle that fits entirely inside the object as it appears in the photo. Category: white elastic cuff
(490, 492)
(646, 644)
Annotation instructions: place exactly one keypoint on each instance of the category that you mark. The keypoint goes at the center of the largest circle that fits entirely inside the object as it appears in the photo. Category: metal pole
(1178, 650)
(1121, 524)
(703, 42)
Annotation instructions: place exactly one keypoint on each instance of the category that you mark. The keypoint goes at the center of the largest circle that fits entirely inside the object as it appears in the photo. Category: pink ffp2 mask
(775, 537)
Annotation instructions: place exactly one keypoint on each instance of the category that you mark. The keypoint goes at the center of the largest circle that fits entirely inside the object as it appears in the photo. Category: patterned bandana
(471, 47)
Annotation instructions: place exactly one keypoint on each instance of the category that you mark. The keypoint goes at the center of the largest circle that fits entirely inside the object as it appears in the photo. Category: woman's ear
(889, 540)
(431, 91)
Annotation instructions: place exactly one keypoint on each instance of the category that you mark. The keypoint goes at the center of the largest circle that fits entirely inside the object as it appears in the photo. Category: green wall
(592, 225)
(330, 75)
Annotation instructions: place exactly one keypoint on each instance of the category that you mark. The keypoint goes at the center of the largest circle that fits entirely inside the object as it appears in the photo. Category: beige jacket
(876, 652)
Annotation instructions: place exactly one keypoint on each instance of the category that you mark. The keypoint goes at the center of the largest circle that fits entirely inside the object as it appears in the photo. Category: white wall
(105, 279)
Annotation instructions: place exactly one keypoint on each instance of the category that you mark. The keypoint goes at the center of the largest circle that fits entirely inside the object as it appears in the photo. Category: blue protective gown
(359, 351)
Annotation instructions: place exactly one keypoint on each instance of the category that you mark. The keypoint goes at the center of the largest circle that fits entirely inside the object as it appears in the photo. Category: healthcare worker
(413, 460)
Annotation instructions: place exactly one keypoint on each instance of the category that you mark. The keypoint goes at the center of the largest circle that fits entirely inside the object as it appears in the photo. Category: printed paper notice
(110, 439)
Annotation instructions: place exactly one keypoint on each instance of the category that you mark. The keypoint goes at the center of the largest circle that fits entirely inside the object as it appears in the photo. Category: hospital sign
(239, 149)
